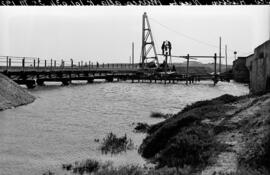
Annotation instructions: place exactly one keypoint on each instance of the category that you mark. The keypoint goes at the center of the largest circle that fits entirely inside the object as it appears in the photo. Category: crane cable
(191, 38)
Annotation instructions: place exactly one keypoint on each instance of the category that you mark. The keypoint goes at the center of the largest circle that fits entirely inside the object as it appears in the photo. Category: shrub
(160, 115)
(114, 145)
(141, 127)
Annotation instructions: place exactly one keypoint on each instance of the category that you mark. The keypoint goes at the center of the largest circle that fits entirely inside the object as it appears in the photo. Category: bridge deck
(30, 71)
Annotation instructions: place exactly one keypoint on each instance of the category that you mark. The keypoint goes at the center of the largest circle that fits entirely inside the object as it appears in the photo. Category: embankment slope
(220, 136)
(12, 95)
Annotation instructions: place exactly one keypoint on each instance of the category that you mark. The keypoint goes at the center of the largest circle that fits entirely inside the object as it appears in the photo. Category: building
(240, 71)
(259, 68)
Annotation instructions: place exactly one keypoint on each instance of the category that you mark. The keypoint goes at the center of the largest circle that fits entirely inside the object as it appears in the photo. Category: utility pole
(215, 69)
(219, 54)
(132, 54)
(226, 58)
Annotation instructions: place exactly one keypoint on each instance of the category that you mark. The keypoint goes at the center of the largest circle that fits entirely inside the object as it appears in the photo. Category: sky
(105, 34)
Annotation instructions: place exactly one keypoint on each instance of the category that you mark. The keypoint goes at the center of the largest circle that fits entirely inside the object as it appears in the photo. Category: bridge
(33, 71)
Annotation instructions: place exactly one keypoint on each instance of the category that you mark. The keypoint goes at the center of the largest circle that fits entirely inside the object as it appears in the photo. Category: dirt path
(243, 113)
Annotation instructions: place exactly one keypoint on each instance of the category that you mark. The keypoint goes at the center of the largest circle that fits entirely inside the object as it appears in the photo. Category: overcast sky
(105, 34)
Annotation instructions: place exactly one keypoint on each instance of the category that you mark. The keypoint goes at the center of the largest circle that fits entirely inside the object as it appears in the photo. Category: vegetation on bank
(114, 145)
(183, 139)
(191, 140)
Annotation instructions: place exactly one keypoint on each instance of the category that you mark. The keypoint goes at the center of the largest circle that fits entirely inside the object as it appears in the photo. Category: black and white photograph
(135, 90)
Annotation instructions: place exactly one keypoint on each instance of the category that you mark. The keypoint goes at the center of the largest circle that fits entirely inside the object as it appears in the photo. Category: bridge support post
(215, 68)
(9, 62)
(23, 63)
(38, 62)
(90, 80)
(187, 74)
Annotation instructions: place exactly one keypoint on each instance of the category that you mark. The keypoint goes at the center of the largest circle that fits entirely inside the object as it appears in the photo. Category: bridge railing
(34, 63)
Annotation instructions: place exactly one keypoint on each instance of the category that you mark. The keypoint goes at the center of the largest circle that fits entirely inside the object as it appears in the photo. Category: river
(63, 122)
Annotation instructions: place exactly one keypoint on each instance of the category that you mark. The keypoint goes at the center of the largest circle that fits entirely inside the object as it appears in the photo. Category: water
(62, 124)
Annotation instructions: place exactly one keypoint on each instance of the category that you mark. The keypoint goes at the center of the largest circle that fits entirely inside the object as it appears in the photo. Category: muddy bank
(12, 95)
(220, 136)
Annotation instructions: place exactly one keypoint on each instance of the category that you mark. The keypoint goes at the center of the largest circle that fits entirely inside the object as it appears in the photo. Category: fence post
(9, 62)
(38, 62)
(45, 63)
(51, 64)
(34, 62)
(89, 65)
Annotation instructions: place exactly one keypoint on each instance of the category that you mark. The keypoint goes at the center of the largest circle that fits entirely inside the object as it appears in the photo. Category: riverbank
(12, 95)
(220, 136)
(227, 135)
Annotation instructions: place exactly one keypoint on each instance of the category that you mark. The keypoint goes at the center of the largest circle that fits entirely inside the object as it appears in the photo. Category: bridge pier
(31, 84)
(90, 80)
(40, 82)
(110, 79)
(65, 82)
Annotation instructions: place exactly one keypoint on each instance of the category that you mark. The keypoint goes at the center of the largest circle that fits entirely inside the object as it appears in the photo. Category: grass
(85, 167)
(245, 170)
(91, 166)
(114, 145)
(48, 173)
(219, 100)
